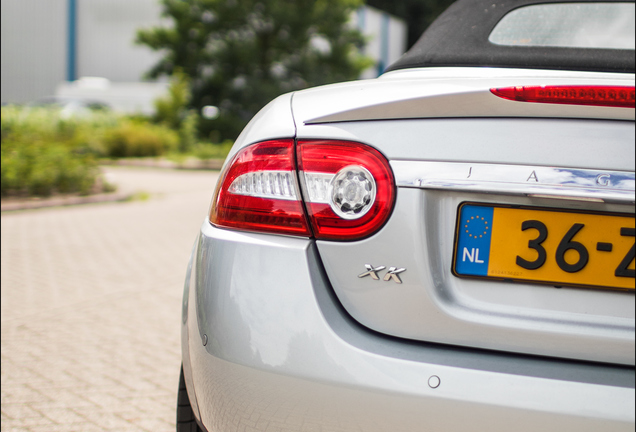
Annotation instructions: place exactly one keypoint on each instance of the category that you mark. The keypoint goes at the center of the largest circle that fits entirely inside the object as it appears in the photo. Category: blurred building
(386, 38)
(47, 46)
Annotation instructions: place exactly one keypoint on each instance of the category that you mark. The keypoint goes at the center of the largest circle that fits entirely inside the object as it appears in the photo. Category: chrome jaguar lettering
(526, 180)
(603, 179)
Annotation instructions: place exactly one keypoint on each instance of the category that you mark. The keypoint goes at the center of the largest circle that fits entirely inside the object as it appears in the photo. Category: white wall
(33, 52)
(34, 43)
(105, 38)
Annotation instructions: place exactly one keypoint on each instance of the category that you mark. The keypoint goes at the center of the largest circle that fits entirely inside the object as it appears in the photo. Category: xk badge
(391, 274)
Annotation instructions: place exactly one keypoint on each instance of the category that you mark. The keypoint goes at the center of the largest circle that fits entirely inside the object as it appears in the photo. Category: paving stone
(90, 306)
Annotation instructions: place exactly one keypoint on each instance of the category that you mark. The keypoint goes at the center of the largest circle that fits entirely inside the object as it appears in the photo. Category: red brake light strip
(607, 96)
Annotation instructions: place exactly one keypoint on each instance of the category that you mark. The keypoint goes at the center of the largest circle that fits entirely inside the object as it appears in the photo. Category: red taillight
(348, 189)
(610, 96)
(258, 191)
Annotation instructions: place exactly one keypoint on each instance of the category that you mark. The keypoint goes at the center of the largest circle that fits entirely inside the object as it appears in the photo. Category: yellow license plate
(560, 248)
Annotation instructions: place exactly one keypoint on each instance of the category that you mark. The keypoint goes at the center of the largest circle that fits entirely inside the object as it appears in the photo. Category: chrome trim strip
(552, 182)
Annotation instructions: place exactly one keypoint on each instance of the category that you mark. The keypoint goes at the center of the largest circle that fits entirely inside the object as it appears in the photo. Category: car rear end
(382, 329)
(443, 248)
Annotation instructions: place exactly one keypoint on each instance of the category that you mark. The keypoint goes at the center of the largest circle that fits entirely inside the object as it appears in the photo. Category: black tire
(185, 416)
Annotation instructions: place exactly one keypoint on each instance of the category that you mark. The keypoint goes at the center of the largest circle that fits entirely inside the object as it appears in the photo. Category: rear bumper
(266, 346)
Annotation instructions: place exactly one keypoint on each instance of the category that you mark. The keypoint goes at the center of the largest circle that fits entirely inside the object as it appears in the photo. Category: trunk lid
(451, 142)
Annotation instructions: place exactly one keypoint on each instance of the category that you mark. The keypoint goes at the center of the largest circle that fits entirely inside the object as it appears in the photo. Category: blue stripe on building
(71, 54)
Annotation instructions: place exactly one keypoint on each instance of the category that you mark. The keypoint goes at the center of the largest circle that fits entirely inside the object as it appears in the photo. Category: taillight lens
(259, 192)
(348, 188)
(610, 96)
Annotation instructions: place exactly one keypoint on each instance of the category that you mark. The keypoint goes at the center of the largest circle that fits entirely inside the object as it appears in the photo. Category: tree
(240, 54)
(418, 14)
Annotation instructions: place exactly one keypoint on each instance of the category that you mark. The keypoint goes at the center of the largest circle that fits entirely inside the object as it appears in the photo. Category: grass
(139, 196)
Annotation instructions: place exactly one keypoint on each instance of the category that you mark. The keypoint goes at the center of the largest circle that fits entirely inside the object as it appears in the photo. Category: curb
(36, 203)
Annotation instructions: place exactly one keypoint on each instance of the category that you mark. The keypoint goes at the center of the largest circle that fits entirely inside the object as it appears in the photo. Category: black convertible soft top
(459, 37)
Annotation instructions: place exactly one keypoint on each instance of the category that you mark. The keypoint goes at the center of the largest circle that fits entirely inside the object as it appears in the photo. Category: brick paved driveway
(90, 306)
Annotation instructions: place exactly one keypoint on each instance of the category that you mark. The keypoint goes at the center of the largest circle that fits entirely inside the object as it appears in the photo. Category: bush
(171, 108)
(172, 111)
(139, 139)
(188, 131)
(43, 153)
(40, 169)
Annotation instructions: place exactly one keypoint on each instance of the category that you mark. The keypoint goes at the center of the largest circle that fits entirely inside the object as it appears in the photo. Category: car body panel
(279, 347)
(449, 92)
(185, 336)
(592, 144)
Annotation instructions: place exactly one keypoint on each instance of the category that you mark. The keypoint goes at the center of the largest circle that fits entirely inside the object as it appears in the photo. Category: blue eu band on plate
(474, 240)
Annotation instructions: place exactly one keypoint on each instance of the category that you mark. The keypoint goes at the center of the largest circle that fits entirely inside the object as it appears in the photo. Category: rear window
(568, 25)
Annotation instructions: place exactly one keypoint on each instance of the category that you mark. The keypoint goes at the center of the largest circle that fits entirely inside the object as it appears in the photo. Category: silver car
(449, 247)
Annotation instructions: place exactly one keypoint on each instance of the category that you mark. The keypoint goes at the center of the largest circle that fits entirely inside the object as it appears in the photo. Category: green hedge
(43, 152)
(139, 139)
(39, 169)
